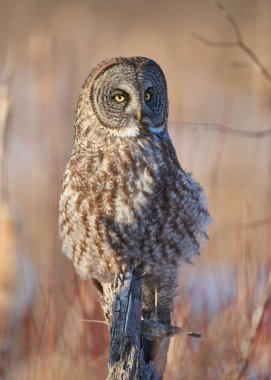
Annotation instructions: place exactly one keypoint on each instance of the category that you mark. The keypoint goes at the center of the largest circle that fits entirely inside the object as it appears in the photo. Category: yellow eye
(119, 98)
(148, 96)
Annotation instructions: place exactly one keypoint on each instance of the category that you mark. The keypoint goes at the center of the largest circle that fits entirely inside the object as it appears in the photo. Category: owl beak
(139, 114)
(143, 118)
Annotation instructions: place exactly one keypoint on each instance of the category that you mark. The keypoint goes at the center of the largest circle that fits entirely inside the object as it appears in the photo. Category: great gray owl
(125, 198)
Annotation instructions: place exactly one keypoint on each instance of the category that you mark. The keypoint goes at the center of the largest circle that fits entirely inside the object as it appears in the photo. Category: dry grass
(226, 295)
(8, 267)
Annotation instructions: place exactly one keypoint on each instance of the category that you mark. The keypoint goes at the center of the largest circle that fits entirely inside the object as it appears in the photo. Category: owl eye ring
(120, 97)
(148, 94)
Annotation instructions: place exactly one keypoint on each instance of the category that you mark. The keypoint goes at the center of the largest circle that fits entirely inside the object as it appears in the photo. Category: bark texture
(138, 349)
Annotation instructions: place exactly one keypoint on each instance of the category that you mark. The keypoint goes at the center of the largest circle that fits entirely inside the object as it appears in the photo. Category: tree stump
(138, 348)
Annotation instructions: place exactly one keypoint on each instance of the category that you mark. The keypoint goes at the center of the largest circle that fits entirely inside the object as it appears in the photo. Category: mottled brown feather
(125, 198)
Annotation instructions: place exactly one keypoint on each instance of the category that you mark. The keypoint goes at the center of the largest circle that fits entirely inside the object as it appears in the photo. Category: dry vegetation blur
(220, 113)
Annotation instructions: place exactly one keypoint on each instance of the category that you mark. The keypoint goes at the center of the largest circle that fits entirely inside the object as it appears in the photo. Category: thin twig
(249, 344)
(230, 19)
(239, 41)
(256, 223)
(224, 129)
(5, 113)
(94, 321)
(215, 43)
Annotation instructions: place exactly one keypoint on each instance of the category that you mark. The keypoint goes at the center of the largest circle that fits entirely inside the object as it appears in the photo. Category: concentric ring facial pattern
(131, 80)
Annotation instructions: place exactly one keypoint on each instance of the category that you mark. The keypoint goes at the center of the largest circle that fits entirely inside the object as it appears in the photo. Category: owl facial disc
(128, 95)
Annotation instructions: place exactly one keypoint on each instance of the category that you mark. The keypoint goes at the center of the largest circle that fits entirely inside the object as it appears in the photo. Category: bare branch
(5, 113)
(230, 19)
(257, 319)
(224, 129)
(94, 321)
(215, 43)
(239, 42)
(260, 67)
(256, 223)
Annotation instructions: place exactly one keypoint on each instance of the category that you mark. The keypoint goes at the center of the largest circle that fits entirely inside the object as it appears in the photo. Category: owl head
(125, 97)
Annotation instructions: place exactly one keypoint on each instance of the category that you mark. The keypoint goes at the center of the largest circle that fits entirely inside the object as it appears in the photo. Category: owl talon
(152, 329)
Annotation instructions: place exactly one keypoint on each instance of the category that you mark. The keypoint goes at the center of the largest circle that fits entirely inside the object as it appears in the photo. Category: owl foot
(152, 329)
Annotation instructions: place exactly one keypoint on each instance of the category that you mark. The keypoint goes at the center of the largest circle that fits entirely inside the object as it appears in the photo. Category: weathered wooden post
(131, 338)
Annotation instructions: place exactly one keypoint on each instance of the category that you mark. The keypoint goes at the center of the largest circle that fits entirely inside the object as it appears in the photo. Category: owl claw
(152, 329)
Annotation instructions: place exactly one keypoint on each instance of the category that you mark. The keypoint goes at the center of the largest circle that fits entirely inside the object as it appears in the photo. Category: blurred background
(220, 123)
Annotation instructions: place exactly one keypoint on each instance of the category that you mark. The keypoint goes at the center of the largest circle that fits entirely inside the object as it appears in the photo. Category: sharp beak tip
(139, 115)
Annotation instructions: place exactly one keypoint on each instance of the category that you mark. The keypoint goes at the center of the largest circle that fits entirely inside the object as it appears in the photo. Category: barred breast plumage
(125, 198)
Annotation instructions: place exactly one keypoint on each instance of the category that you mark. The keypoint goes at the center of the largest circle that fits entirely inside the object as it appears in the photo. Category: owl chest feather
(121, 183)
(125, 198)
(131, 201)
